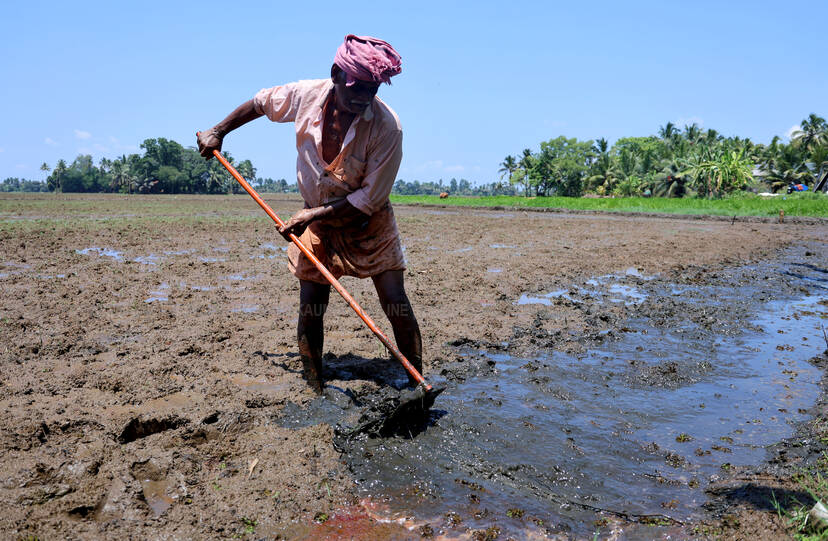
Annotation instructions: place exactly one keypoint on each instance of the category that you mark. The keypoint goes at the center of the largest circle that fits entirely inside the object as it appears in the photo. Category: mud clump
(390, 412)
(668, 374)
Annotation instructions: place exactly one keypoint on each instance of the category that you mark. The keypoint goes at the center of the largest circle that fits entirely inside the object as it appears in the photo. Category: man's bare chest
(334, 128)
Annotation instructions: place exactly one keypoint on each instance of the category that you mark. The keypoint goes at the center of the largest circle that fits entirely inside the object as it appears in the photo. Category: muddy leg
(313, 301)
(395, 304)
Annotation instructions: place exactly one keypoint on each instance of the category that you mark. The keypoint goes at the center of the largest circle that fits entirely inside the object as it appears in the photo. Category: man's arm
(212, 139)
(338, 210)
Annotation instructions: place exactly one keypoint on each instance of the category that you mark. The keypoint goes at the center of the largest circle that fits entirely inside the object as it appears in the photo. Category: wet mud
(603, 374)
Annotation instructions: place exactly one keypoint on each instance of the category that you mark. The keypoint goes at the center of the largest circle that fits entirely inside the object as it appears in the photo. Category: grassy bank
(809, 204)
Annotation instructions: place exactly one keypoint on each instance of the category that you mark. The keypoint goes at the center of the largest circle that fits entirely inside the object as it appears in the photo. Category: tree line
(675, 163)
(165, 166)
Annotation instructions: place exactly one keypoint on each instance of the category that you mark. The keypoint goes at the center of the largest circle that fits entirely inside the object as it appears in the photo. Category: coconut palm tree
(667, 132)
(602, 177)
(813, 131)
(711, 137)
(692, 133)
(59, 171)
(507, 167)
(525, 164)
(669, 182)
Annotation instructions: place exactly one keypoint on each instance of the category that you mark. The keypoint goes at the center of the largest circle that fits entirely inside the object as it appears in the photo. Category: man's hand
(299, 222)
(211, 140)
(208, 141)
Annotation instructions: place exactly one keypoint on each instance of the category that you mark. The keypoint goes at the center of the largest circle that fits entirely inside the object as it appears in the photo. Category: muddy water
(623, 437)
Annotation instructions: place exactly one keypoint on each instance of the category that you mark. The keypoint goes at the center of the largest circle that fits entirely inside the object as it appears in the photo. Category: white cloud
(100, 148)
(51, 142)
(454, 169)
(2, 149)
(80, 134)
(791, 130)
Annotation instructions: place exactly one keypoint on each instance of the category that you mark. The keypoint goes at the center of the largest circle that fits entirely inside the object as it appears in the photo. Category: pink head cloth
(364, 58)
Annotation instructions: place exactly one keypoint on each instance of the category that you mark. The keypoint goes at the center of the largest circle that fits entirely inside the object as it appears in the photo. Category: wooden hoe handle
(327, 274)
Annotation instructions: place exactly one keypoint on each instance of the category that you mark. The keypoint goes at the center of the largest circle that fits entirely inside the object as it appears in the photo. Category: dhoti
(360, 248)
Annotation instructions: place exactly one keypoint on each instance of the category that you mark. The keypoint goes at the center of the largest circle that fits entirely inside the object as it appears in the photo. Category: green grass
(93, 212)
(795, 513)
(808, 204)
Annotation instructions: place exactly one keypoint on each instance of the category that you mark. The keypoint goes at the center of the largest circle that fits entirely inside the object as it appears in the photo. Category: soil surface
(149, 366)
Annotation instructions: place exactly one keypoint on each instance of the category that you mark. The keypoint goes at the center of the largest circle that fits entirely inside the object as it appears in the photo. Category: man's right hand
(208, 141)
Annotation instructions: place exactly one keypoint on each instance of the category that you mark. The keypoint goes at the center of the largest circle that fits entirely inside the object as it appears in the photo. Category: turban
(369, 59)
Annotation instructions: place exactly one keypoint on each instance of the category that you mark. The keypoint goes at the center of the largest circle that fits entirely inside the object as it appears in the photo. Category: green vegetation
(675, 163)
(742, 204)
(164, 167)
(796, 513)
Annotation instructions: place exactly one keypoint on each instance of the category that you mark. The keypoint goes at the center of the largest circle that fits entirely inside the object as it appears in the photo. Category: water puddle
(210, 259)
(202, 288)
(632, 271)
(155, 488)
(629, 294)
(246, 309)
(271, 251)
(103, 252)
(155, 494)
(160, 294)
(21, 266)
(14, 269)
(630, 432)
(494, 269)
(547, 299)
(151, 259)
(602, 289)
(502, 246)
(242, 277)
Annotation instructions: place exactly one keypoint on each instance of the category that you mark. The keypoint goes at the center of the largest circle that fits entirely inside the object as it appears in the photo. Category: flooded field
(630, 432)
(601, 373)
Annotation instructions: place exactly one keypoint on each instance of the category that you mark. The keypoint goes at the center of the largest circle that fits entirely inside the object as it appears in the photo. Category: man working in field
(350, 148)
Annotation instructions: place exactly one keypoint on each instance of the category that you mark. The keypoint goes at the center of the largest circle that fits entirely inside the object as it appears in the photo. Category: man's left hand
(299, 222)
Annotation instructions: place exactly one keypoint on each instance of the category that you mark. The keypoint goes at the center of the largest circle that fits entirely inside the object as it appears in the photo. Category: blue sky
(480, 79)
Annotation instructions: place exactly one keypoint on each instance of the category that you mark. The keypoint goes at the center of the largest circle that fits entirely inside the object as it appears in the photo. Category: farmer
(350, 147)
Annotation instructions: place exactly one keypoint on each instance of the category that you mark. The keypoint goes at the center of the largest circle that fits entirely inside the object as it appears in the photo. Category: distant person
(350, 148)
